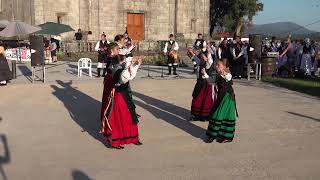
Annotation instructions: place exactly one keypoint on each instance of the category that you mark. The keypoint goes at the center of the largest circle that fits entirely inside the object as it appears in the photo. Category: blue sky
(302, 12)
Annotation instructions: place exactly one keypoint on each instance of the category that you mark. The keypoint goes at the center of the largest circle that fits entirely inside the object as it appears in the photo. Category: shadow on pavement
(4, 159)
(304, 116)
(172, 114)
(79, 175)
(83, 109)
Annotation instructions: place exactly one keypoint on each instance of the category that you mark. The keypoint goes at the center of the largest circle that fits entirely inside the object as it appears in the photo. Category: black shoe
(175, 74)
(138, 143)
(118, 147)
(3, 84)
(210, 140)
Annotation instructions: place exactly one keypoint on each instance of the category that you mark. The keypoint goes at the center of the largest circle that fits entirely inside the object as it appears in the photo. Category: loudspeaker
(37, 44)
(255, 41)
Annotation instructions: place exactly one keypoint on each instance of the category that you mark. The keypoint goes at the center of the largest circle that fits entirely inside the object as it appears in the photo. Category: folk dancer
(120, 122)
(307, 52)
(200, 43)
(223, 122)
(170, 51)
(101, 47)
(238, 59)
(204, 93)
(125, 51)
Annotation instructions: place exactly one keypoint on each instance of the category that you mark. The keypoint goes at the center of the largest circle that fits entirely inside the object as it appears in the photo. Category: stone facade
(110, 16)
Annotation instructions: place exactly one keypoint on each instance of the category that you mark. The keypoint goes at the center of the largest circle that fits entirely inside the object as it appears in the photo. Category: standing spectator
(5, 73)
(224, 51)
(53, 48)
(238, 60)
(213, 50)
(78, 36)
(89, 41)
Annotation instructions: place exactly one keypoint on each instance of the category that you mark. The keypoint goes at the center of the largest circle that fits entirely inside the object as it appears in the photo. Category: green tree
(242, 12)
(232, 15)
(219, 9)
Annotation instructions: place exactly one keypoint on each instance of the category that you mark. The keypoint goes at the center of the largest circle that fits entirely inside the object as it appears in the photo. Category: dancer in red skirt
(204, 90)
(120, 122)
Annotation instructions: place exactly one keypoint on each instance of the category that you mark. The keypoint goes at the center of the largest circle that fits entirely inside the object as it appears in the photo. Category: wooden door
(135, 26)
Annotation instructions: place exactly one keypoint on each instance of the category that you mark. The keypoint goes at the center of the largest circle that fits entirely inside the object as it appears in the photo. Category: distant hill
(279, 29)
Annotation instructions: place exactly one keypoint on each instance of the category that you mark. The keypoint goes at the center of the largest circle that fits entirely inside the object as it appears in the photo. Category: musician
(128, 43)
(170, 50)
(199, 44)
(102, 47)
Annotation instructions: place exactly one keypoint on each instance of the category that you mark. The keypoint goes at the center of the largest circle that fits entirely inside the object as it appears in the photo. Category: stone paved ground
(51, 132)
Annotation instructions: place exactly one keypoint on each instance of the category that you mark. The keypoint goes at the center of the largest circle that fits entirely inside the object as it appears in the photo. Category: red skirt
(123, 130)
(202, 104)
(106, 94)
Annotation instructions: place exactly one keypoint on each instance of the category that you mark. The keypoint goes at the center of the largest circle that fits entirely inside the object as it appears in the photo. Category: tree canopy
(236, 13)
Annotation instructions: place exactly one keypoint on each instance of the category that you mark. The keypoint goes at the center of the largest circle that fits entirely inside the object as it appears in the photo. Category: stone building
(145, 20)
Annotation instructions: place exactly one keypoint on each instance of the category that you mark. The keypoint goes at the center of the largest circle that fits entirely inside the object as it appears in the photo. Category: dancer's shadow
(172, 114)
(79, 175)
(5, 159)
(83, 109)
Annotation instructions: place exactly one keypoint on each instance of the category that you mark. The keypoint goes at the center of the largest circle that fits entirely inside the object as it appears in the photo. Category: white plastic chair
(84, 63)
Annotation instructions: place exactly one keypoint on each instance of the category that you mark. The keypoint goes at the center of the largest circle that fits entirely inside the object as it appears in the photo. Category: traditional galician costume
(223, 122)
(128, 44)
(204, 93)
(170, 50)
(307, 52)
(120, 121)
(103, 61)
(201, 44)
(237, 63)
(224, 51)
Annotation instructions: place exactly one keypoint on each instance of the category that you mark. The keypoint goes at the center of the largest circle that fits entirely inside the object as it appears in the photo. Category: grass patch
(307, 86)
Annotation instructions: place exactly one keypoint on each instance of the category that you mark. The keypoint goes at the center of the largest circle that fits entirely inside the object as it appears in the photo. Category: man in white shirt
(170, 47)
(101, 47)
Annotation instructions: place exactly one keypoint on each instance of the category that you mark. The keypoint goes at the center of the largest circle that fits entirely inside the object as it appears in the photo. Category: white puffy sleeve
(204, 46)
(128, 74)
(176, 46)
(97, 46)
(209, 63)
(227, 77)
(165, 48)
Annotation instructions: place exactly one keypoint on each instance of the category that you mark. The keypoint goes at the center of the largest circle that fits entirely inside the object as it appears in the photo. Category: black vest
(103, 46)
(170, 46)
(225, 51)
(199, 44)
(238, 48)
(307, 50)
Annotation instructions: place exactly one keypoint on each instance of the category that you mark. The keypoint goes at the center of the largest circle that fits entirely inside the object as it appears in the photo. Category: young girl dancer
(204, 90)
(223, 122)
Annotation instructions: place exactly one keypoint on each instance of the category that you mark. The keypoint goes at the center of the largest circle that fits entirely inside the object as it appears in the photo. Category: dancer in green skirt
(223, 121)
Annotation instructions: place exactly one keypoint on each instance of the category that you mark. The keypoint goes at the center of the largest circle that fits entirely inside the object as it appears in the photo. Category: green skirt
(223, 122)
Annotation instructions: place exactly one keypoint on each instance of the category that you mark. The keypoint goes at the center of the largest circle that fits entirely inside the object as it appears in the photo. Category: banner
(19, 54)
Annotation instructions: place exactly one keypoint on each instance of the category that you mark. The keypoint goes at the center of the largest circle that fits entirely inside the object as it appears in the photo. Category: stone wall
(110, 16)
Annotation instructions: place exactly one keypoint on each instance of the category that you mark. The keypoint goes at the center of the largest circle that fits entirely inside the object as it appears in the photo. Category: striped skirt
(223, 122)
